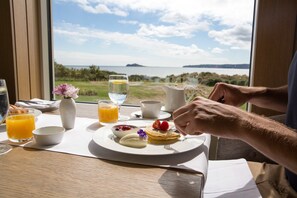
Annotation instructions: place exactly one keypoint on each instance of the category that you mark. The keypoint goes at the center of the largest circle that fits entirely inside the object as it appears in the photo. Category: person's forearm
(271, 98)
(273, 139)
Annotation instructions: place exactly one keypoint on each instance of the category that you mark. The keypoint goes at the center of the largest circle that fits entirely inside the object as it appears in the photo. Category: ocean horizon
(165, 71)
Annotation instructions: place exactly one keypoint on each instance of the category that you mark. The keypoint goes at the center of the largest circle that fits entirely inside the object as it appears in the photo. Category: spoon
(137, 115)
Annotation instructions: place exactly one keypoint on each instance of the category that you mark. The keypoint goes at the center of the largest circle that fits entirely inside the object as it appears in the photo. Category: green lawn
(137, 91)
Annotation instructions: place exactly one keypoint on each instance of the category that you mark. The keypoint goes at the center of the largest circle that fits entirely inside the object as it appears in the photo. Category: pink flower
(66, 90)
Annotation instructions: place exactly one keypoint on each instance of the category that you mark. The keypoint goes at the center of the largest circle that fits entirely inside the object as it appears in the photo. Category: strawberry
(156, 124)
(164, 126)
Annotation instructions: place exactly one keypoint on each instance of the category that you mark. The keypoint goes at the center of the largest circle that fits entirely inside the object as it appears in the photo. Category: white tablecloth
(79, 141)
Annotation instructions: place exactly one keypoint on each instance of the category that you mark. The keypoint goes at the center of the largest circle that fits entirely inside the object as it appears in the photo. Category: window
(191, 43)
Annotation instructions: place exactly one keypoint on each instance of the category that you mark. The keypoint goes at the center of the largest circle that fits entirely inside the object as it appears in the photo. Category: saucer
(163, 115)
(163, 109)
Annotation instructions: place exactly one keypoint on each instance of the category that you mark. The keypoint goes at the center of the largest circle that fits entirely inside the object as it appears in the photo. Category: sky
(167, 33)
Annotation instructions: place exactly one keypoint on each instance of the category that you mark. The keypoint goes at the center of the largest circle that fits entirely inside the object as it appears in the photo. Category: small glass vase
(67, 112)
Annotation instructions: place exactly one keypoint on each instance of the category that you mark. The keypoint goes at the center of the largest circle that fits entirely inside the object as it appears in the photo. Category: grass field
(137, 91)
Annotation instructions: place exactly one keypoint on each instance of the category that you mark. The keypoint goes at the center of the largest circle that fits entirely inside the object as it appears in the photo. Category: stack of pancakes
(156, 136)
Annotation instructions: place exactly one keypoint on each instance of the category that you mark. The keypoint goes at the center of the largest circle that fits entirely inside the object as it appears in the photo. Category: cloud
(238, 37)
(217, 50)
(184, 18)
(137, 42)
(83, 58)
(120, 12)
(78, 41)
(99, 8)
(178, 30)
(150, 51)
(226, 12)
(131, 22)
(227, 22)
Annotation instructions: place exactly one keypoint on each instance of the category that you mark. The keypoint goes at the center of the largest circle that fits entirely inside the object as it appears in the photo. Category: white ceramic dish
(104, 137)
(36, 112)
(163, 115)
(122, 133)
(150, 108)
(49, 135)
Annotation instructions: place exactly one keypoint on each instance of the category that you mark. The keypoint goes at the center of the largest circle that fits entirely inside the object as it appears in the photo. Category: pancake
(161, 142)
(156, 136)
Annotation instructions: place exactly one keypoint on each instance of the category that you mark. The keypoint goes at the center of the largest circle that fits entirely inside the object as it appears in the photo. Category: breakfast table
(83, 169)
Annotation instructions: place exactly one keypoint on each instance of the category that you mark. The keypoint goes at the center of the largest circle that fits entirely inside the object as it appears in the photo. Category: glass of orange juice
(19, 127)
(108, 112)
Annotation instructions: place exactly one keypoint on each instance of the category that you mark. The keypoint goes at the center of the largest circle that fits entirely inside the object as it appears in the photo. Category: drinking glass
(191, 89)
(108, 112)
(4, 107)
(20, 127)
(118, 86)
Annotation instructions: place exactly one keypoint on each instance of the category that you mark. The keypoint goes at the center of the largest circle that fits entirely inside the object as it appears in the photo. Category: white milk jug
(175, 98)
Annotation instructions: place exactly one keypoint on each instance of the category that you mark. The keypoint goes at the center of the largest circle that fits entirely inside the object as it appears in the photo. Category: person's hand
(207, 116)
(230, 94)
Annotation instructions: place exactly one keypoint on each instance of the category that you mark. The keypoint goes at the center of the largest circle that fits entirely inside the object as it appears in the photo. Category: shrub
(87, 92)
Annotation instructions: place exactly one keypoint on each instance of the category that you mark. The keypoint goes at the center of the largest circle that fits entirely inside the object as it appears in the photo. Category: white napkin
(230, 179)
(42, 105)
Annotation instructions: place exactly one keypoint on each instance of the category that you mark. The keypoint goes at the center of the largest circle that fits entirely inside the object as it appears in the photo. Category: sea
(165, 71)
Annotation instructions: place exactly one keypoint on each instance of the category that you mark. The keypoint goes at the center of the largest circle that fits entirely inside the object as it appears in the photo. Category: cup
(108, 112)
(19, 127)
(150, 108)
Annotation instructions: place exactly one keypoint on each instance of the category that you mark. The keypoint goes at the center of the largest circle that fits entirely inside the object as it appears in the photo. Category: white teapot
(175, 98)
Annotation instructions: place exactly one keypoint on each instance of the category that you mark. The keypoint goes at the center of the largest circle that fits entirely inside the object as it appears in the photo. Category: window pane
(191, 44)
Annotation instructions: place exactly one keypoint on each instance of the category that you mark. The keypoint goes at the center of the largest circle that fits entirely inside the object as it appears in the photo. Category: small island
(134, 65)
(225, 66)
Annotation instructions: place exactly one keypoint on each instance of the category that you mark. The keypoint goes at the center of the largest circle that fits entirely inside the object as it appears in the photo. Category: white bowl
(49, 135)
(121, 133)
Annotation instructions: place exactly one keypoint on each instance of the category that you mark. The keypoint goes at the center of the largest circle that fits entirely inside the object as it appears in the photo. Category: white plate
(36, 112)
(163, 115)
(105, 138)
(42, 105)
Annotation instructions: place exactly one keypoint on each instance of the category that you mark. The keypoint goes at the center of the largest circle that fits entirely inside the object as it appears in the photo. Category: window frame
(46, 46)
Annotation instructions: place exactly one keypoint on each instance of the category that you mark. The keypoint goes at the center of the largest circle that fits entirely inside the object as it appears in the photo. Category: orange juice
(108, 113)
(19, 127)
